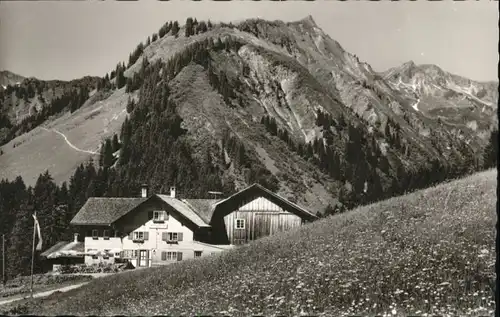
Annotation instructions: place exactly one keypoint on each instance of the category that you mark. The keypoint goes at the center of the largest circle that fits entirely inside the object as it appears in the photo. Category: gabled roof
(203, 207)
(227, 205)
(63, 246)
(107, 210)
(104, 210)
(184, 209)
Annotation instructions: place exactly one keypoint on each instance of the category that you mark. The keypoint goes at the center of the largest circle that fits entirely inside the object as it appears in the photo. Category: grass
(429, 252)
(21, 285)
(39, 149)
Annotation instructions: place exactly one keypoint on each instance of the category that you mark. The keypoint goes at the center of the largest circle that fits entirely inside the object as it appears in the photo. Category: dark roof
(184, 209)
(227, 205)
(64, 246)
(203, 207)
(104, 210)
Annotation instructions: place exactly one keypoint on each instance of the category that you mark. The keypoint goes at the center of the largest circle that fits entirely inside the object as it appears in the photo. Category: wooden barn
(253, 213)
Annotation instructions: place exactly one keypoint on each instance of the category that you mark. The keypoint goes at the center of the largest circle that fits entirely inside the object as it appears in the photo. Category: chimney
(144, 190)
(75, 237)
(172, 191)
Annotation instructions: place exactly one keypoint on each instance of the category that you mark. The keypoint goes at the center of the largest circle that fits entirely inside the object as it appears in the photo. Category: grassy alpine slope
(429, 252)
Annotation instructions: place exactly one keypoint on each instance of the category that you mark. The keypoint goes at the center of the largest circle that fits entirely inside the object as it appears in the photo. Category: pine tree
(189, 27)
(490, 156)
(115, 143)
(175, 29)
(202, 27)
(45, 195)
(19, 244)
(108, 158)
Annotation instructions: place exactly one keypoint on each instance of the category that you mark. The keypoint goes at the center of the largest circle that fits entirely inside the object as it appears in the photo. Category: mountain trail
(69, 143)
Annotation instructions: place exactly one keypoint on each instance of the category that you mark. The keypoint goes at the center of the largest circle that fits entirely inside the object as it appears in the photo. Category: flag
(37, 227)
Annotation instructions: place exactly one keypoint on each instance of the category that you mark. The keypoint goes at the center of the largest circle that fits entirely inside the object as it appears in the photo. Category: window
(197, 254)
(117, 254)
(168, 256)
(129, 254)
(240, 223)
(159, 216)
(171, 256)
(105, 234)
(138, 236)
(95, 234)
(172, 237)
(106, 254)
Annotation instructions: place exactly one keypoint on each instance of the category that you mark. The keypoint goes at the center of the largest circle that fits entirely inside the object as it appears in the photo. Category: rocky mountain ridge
(9, 78)
(319, 122)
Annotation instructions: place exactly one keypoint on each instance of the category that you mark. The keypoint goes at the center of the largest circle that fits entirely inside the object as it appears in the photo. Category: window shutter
(131, 236)
(164, 236)
(163, 255)
(146, 235)
(179, 256)
(150, 215)
(179, 236)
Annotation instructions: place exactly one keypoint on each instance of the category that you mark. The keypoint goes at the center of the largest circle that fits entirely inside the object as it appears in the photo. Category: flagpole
(33, 254)
(3, 260)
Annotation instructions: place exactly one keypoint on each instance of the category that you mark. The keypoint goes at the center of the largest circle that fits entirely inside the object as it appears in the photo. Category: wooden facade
(256, 219)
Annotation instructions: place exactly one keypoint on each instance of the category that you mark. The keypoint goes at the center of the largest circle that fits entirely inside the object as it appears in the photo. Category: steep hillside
(26, 105)
(431, 252)
(267, 101)
(62, 143)
(9, 78)
(459, 102)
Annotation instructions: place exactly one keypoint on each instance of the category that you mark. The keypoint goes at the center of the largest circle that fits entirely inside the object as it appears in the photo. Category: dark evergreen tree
(175, 29)
(108, 158)
(189, 27)
(490, 156)
(19, 244)
(115, 143)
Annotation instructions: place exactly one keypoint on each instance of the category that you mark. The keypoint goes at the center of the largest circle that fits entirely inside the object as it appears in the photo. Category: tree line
(361, 161)
(70, 100)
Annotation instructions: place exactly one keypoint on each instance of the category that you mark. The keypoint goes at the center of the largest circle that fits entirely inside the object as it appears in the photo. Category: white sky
(70, 39)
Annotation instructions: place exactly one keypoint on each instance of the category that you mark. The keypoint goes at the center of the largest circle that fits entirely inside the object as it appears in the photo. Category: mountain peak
(409, 64)
(309, 20)
(9, 78)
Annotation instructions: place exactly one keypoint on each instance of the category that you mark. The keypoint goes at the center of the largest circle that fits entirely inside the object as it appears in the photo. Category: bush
(95, 268)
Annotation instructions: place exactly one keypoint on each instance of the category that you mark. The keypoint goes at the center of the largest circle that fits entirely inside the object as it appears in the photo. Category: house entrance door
(143, 258)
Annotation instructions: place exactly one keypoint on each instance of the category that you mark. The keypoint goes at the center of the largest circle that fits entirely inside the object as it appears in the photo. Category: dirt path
(42, 294)
(68, 142)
